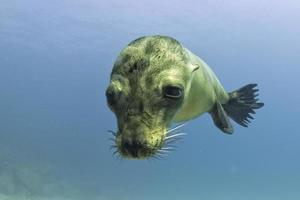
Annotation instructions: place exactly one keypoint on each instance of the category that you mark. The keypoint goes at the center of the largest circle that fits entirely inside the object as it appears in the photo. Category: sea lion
(156, 81)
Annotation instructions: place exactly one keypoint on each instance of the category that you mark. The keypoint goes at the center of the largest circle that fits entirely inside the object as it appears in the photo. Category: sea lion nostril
(132, 147)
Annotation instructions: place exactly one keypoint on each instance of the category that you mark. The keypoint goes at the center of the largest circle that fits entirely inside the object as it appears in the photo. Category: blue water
(55, 61)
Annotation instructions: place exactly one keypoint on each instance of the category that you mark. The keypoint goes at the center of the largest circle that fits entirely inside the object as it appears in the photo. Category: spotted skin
(136, 93)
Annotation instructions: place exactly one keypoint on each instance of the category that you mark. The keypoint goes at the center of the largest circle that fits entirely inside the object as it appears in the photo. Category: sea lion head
(149, 82)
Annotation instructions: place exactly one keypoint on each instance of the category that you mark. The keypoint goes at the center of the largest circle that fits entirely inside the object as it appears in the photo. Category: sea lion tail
(242, 103)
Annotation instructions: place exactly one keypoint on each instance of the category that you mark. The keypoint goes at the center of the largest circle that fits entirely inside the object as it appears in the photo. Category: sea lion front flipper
(221, 119)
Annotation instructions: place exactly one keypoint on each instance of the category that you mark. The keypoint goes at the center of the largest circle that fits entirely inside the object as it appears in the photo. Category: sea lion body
(156, 81)
(206, 83)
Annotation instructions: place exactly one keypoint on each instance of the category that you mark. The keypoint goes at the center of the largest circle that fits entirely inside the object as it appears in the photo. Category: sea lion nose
(132, 147)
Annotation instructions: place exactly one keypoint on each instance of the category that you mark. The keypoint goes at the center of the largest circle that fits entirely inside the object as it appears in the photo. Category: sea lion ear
(196, 68)
(193, 67)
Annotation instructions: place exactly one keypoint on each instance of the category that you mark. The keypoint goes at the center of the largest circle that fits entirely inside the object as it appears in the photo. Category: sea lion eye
(172, 92)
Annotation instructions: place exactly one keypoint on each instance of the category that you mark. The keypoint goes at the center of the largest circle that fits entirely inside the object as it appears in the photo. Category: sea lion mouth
(133, 149)
(136, 151)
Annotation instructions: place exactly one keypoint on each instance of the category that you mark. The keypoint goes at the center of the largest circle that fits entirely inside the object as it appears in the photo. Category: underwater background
(55, 63)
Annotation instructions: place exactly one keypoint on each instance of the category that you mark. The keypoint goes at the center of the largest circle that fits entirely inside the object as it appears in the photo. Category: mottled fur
(135, 93)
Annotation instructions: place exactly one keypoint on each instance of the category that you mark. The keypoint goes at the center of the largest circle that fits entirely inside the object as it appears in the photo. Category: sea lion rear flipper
(242, 104)
(221, 119)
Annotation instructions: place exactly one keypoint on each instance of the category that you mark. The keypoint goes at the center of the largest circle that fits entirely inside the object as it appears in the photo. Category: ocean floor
(32, 180)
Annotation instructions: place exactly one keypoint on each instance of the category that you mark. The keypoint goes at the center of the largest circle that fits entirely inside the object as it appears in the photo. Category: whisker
(115, 152)
(158, 156)
(168, 148)
(112, 132)
(172, 141)
(163, 151)
(169, 145)
(155, 157)
(175, 135)
(175, 128)
(112, 147)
